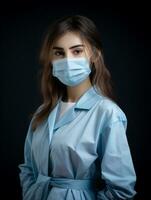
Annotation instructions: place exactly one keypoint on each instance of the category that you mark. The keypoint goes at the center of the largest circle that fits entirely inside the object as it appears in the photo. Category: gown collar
(85, 102)
(88, 99)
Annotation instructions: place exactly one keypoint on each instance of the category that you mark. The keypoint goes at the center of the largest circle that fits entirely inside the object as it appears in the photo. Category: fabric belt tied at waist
(41, 188)
(67, 183)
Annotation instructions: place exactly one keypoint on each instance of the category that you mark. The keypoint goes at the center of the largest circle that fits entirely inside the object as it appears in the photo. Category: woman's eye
(58, 53)
(77, 52)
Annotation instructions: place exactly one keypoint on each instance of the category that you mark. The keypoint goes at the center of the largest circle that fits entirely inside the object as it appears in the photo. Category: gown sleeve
(117, 168)
(26, 174)
(30, 184)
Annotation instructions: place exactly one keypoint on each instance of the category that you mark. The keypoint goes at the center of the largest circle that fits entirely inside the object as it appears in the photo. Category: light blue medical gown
(83, 156)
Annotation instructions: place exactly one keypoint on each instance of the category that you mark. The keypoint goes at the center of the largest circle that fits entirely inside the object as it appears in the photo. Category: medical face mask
(71, 71)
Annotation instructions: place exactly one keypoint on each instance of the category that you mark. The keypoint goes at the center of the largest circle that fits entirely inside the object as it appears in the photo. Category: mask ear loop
(92, 65)
(92, 68)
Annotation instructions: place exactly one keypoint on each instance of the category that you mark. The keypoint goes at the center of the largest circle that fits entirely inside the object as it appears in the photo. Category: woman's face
(70, 45)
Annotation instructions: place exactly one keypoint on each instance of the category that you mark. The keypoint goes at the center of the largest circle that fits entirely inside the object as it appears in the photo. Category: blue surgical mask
(71, 71)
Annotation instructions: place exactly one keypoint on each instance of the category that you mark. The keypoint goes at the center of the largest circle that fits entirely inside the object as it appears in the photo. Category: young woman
(76, 146)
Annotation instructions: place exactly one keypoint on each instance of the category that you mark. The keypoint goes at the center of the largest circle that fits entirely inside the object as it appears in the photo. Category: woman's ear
(99, 53)
(96, 55)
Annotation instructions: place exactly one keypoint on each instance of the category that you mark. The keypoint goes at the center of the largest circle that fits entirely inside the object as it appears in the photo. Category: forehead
(68, 39)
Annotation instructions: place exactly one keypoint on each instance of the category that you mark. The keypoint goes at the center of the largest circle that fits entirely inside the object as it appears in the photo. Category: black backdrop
(125, 38)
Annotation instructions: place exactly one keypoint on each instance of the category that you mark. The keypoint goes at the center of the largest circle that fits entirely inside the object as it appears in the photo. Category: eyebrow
(72, 47)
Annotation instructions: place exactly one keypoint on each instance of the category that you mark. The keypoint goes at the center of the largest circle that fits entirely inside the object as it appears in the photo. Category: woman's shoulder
(111, 110)
(39, 108)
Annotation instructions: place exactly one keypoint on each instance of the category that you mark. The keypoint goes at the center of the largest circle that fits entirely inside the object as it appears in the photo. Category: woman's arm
(116, 163)
(35, 186)
(26, 174)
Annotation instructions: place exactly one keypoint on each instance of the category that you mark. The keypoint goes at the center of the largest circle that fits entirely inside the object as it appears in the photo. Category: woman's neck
(75, 92)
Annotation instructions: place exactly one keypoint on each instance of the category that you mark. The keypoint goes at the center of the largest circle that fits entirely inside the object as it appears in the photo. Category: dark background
(124, 31)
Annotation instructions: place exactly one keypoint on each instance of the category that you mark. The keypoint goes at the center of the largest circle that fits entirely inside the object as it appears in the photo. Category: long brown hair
(51, 88)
